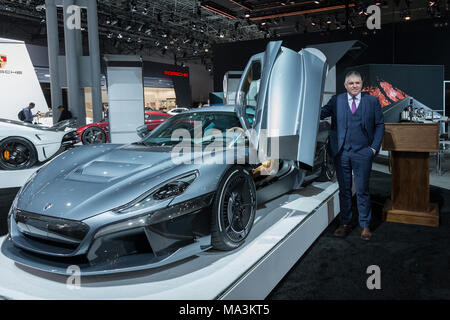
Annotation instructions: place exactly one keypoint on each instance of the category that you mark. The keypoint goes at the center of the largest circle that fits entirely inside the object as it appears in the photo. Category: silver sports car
(116, 208)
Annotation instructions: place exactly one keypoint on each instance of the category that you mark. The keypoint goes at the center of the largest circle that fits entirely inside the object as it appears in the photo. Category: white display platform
(15, 178)
(284, 229)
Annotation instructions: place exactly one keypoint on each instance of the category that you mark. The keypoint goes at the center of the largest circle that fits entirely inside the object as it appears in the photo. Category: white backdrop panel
(126, 103)
(18, 90)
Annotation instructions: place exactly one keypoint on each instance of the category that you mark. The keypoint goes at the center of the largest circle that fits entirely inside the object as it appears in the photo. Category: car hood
(77, 190)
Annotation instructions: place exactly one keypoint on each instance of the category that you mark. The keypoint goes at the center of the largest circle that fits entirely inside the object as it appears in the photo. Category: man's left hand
(374, 151)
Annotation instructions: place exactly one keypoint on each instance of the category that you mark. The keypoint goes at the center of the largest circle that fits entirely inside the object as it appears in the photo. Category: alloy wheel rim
(238, 206)
(15, 154)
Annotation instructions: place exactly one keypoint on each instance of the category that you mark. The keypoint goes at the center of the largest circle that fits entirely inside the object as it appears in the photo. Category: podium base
(428, 218)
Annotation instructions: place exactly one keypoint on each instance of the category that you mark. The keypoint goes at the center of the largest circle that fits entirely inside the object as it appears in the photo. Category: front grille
(56, 230)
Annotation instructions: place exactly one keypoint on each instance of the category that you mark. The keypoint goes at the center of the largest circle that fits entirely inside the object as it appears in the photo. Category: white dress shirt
(350, 100)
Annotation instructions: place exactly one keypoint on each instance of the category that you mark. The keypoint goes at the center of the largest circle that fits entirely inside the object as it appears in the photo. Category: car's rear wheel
(93, 135)
(234, 209)
(17, 153)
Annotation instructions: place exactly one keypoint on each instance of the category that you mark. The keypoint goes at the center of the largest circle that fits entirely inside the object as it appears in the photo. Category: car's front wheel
(328, 171)
(17, 153)
(234, 209)
(93, 135)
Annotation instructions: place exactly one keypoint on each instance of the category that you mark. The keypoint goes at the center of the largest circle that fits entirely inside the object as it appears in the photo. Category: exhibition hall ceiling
(187, 29)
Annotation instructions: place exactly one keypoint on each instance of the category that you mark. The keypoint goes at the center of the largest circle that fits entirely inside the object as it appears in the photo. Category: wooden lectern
(410, 144)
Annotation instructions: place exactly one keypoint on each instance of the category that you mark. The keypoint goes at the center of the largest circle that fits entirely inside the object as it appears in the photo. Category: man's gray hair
(352, 73)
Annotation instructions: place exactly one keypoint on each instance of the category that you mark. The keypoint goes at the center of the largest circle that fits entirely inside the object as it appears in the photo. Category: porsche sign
(3, 60)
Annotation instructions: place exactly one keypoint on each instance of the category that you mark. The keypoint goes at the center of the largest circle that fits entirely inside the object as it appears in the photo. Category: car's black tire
(17, 153)
(328, 170)
(93, 135)
(234, 209)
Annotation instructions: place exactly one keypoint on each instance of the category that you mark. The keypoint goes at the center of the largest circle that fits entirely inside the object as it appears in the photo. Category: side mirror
(142, 131)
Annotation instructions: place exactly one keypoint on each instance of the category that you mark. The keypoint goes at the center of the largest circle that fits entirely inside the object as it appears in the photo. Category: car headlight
(169, 189)
(143, 205)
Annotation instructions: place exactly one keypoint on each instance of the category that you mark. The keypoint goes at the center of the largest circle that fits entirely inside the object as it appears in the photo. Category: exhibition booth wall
(178, 75)
(18, 82)
(393, 83)
(413, 43)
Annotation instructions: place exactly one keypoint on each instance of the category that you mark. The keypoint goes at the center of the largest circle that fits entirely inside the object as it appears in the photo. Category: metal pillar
(73, 79)
(53, 54)
(94, 52)
(80, 71)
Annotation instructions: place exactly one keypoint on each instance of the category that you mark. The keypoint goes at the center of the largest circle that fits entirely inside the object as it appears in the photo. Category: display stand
(283, 231)
(16, 178)
(410, 144)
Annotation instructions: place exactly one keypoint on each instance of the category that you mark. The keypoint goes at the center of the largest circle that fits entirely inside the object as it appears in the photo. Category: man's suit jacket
(372, 120)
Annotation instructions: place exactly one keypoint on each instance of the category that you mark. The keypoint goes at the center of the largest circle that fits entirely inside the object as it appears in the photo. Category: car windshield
(198, 127)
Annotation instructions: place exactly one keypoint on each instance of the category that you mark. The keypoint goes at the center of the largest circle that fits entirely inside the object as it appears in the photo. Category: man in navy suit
(357, 129)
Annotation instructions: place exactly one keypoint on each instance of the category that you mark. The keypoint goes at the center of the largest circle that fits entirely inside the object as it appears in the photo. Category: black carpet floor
(414, 260)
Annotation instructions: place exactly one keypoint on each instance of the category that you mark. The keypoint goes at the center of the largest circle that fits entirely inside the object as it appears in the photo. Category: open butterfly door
(283, 89)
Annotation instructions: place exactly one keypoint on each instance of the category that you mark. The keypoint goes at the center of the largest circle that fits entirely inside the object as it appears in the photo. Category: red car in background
(98, 132)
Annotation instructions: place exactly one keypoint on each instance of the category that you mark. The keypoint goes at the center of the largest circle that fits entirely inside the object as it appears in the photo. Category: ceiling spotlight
(148, 31)
(166, 47)
(157, 43)
(109, 35)
(317, 2)
(119, 36)
(247, 15)
(129, 39)
(139, 40)
(206, 49)
(145, 11)
(263, 23)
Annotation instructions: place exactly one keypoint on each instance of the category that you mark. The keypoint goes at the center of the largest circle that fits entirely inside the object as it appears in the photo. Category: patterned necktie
(353, 106)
